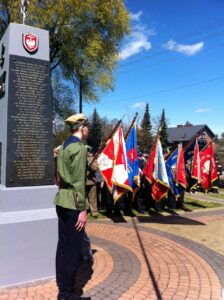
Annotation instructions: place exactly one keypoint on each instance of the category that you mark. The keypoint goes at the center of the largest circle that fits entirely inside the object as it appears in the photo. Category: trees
(163, 131)
(220, 150)
(63, 99)
(84, 38)
(95, 131)
(145, 138)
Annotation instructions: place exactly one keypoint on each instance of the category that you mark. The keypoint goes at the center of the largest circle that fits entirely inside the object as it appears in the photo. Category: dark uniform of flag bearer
(71, 205)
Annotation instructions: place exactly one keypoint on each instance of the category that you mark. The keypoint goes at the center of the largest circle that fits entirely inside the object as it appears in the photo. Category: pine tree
(95, 131)
(145, 138)
(163, 131)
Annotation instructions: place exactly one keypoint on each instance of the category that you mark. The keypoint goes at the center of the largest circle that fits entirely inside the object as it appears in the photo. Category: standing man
(71, 206)
(91, 183)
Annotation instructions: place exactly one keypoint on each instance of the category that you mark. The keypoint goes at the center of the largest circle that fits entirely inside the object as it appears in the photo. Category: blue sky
(173, 59)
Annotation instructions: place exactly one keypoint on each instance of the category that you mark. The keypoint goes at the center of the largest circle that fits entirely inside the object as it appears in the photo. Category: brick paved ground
(146, 258)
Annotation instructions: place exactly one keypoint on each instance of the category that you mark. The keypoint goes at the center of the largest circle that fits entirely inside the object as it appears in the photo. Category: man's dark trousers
(68, 252)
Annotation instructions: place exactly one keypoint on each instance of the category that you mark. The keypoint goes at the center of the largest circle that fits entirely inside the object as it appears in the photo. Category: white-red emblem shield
(30, 42)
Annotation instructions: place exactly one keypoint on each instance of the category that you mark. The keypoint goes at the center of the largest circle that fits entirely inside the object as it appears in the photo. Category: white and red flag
(106, 160)
(155, 172)
(120, 170)
(112, 163)
(208, 168)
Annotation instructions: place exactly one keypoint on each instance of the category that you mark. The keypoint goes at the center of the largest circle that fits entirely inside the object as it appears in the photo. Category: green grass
(214, 195)
(193, 204)
(189, 205)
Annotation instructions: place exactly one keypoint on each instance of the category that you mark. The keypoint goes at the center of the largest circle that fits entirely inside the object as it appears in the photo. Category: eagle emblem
(30, 42)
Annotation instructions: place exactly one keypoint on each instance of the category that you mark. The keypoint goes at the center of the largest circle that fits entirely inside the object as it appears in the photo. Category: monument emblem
(30, 42)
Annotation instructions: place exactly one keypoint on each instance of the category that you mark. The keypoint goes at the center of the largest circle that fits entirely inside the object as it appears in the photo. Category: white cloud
(135, 17)
(188, 50)
(138, 40)
(202, 110)
(137, 43)
(139, 105)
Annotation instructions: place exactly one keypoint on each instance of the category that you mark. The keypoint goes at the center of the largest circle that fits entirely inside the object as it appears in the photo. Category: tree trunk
(80, 96)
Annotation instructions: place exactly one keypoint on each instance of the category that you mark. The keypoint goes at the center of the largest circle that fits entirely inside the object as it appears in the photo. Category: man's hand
(80, 225)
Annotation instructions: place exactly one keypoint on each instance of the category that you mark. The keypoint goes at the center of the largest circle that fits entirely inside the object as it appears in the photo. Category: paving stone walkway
(132, 260)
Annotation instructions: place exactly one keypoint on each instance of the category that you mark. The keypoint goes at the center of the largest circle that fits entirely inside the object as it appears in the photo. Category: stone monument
(27, 216)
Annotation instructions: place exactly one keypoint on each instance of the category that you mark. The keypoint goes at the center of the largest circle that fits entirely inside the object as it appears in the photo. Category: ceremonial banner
(208, 168)
(120, 171)
(106, 160)
(155, 172)
(171, 164)
(149, 167)
(189, 152)
(195, 169)
(180, 170)
(132, 160)
(161, 182)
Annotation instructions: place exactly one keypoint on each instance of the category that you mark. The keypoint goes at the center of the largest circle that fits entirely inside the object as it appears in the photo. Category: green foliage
(145, 139)
(219, 150)
(60, 136)
(84, 38)
(62, 96)
(95, 131)
(96, 135)
(163, 131)
(108, 126)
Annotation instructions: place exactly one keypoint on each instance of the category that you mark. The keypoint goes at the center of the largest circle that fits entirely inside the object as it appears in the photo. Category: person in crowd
(91, 183)
(71, 206)
(139, 197)
(99, 186)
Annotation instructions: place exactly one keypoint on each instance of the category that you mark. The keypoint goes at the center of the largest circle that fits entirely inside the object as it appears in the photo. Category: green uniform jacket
(71, 169)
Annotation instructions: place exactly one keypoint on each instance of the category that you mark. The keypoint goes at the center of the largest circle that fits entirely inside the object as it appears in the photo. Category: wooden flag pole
(108, 137)
(132, 123)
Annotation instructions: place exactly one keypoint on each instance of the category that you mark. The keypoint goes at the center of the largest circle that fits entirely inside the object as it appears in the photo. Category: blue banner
(171, 164)
(132, 159)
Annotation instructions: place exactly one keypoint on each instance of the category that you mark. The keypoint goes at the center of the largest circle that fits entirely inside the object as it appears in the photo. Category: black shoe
(72, 297)
(141, 211)
(117, 213)
(109, 211)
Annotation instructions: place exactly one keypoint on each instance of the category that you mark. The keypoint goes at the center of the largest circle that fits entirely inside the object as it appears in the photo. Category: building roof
(186, 133)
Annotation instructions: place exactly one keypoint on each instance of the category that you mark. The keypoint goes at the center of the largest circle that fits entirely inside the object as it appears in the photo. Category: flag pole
(108, 137)
(154, 141)
(192, 140)
(206, 146)
(132, 123)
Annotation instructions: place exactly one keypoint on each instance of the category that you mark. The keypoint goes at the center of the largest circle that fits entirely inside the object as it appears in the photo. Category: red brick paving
(142, 265)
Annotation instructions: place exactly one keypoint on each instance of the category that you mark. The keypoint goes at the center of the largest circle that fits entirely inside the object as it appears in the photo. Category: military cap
(77, 120)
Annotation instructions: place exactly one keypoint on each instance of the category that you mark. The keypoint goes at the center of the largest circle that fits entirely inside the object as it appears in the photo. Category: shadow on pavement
(196, 204)
(115, 217)
(84, 274)
(173, 219)
(151, 274)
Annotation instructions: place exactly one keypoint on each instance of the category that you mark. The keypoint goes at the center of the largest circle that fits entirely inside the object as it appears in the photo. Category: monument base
(28, 234)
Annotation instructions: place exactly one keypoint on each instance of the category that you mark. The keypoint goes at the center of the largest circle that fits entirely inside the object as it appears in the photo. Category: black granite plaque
(29, 159)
